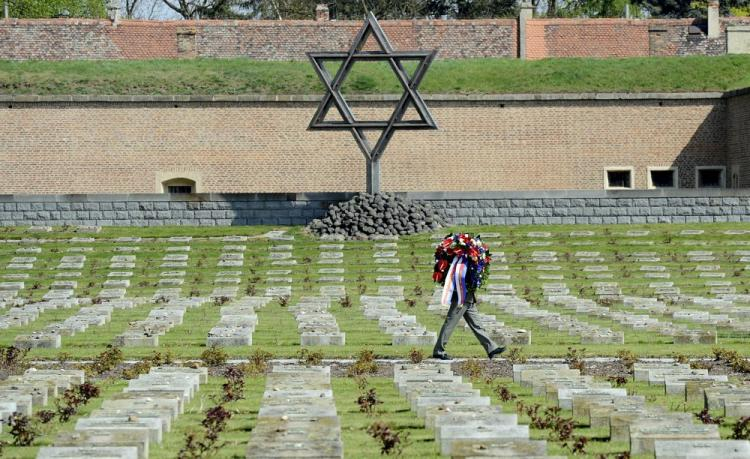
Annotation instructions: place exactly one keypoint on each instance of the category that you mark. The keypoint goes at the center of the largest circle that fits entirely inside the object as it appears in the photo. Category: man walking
(461, 264)
(468, 311)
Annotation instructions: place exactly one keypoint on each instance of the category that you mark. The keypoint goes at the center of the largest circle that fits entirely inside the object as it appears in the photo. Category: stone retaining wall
(72, 39)
(498, 208)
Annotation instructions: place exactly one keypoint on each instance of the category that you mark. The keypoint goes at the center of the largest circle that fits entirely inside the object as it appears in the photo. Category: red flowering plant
(466, 248)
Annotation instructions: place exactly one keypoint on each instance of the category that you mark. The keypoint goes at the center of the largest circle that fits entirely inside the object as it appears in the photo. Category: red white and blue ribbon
(455, 281)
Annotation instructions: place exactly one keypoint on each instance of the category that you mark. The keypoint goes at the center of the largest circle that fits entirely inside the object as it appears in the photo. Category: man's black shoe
(441, 356)
(496, 352)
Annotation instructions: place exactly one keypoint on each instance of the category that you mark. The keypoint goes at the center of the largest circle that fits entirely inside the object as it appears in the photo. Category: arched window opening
(179, 186)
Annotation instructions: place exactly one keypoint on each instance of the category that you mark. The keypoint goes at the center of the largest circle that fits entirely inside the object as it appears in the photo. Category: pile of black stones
(383, 214)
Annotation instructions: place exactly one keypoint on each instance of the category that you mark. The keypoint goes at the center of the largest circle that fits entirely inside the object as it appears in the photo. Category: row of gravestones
(92, 315)
(164, 316)
(315, 324)
(634, 321)
(404, 329)
(237, 322)
(127, 424)
(31, 391)
(464, 422)
(497, 330)
(232, 256)
(297, 415)
(647, 429)
(602, 337)
(522, 309)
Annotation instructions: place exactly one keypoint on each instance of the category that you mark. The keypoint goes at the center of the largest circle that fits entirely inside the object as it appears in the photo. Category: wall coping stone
(315, 98)
(250, 22)
(427, 196)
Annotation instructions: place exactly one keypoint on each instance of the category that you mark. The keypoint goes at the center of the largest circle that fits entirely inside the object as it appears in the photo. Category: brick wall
(624, 37)
(495, 208)
(586, 38)
(738, 139)
(249, 145)
(266, 40)
(58, 39)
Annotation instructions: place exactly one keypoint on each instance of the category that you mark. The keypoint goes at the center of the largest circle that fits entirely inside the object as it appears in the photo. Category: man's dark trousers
(469, 312)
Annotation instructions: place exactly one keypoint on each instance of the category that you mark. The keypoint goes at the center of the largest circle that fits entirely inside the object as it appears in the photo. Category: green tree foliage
(384, 9)
(593, 8)
(205, 9)
(690, 8)
(56, 8)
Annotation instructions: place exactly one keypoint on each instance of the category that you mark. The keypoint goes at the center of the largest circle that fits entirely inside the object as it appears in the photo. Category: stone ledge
(315, 98)
(341, 196)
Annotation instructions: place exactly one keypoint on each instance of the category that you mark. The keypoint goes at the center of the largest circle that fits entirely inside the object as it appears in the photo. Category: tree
(206, 9)
(130, 6)
(55, 8)
(383, 9)
(688, 8)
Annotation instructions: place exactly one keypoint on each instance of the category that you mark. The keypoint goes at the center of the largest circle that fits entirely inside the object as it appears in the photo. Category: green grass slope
(472, 76)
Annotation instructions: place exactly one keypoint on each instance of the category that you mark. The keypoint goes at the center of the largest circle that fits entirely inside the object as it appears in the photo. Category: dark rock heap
(368, 215)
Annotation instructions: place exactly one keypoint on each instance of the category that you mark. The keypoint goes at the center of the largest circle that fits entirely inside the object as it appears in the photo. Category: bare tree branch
(130, 7)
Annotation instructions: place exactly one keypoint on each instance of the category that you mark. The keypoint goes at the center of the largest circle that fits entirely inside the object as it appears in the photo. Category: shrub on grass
(741, 429)
(515, 355)
(618, 380)
(416, 355)
(504, 394)
(309, 358)
(45, 416)
(206, 444)
(473, 369)
(733, 359)
(22, 429)
(73, 399)
(364, 365)
(346, 301)
(214, 356)
(257, 362)
(391, 441)
(628, 358)
(706, 418)
(144, 366)
(221, 300)
(13, 360)
(574, 359)
(368, 401)
(106, 361)
(234, 387)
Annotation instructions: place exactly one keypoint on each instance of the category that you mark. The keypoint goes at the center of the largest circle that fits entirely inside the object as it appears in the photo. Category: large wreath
(461, 265)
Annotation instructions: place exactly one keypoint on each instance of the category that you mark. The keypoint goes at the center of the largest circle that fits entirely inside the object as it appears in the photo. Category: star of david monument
(334, 98)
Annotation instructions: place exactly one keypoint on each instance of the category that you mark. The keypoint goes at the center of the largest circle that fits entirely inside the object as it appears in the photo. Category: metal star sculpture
(333, 96)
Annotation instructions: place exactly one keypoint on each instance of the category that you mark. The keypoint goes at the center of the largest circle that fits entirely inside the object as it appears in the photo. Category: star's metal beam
(334, 98)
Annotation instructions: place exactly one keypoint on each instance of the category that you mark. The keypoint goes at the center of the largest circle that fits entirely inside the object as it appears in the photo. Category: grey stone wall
(497, 208)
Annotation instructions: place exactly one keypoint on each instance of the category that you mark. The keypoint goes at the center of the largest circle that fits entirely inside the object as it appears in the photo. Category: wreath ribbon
(455, 281)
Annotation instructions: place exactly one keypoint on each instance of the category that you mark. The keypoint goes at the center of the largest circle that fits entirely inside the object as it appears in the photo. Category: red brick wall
(738, 139)
(247, 147)
(289, 40)
(586, 38)
(623, 37)
(267, 40)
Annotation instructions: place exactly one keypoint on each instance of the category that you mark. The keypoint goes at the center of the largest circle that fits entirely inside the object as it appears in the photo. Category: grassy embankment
(472, 76)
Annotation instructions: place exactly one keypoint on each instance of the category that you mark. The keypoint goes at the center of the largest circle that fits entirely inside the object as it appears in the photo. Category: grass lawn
(470, 76)
(394, 410)
(277, 330)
